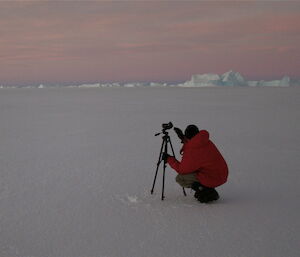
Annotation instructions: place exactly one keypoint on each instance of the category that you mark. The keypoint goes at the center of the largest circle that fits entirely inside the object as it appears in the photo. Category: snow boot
(204, 194)
(208, 195)
(197, 187)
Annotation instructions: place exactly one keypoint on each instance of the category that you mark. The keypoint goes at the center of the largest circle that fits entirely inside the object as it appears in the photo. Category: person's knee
(186, 180)
(179, 179)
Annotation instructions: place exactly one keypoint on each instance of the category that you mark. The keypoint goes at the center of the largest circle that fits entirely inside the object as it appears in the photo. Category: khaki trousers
(186, 180)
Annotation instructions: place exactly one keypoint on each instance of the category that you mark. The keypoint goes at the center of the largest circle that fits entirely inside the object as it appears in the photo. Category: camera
(166, 126)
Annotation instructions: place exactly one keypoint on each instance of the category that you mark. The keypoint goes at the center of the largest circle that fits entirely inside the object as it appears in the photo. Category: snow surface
(77, 167)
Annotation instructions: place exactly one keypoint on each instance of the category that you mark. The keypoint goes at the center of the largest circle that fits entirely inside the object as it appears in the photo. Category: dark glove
(179, 133)
(165, 157)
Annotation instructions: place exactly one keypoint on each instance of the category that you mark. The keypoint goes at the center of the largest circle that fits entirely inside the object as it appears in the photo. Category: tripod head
(165, 126)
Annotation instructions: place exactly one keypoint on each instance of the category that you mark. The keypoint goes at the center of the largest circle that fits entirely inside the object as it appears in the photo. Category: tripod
(163, 149)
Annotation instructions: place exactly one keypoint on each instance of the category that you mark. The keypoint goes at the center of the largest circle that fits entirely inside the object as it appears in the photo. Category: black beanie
(191, 131)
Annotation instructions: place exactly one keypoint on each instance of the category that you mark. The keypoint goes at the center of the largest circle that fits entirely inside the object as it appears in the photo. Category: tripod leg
(169, 140)
(164, 171)
(157, 167)
(163, 184)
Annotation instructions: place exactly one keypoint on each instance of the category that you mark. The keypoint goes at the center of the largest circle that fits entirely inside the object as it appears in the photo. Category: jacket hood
(201, 139)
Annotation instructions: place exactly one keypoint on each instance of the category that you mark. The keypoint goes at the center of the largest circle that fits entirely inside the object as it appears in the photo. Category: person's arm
(186, 166)
(180, 135)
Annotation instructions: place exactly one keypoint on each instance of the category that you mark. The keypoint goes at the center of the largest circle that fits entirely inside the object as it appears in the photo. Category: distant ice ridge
(230, 78)
(284, 82)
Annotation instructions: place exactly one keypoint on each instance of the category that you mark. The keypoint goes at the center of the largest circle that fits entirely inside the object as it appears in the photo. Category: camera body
(167, 126)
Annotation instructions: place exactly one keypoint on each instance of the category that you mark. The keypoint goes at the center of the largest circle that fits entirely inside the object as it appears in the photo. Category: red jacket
(202, 156)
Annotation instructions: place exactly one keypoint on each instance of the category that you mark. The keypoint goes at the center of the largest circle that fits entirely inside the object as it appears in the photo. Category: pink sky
(66, 42)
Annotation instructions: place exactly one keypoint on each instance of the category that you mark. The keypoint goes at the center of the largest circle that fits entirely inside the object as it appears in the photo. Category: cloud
(176, 37)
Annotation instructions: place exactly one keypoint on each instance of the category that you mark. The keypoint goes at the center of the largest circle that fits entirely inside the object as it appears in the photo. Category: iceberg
(229, 78)
(202, 80)
(232, 78)
(284, 82)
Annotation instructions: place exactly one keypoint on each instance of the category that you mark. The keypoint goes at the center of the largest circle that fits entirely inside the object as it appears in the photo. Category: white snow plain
(77, 166)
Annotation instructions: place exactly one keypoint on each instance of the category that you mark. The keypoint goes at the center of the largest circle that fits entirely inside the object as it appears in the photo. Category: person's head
(191, 131)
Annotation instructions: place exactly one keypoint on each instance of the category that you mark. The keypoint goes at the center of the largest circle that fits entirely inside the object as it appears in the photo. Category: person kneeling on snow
(202, 167)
